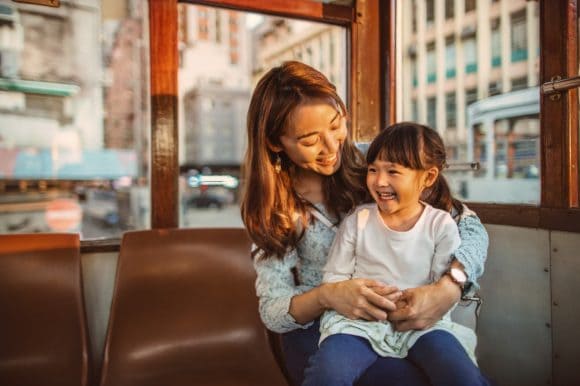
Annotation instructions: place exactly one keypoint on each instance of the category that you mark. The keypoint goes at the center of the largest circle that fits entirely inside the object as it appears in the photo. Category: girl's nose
(382, 179)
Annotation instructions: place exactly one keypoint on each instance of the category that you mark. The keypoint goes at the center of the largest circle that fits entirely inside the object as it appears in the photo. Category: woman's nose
(332, 142)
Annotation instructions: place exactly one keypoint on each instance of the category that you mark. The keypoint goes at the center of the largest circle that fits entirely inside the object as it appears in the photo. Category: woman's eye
(309, 142)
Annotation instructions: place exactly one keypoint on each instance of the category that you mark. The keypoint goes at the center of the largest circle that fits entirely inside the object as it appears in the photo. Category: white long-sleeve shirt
(365, 247)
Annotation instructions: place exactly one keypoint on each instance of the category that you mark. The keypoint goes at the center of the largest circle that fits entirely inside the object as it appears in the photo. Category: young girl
(403, 241)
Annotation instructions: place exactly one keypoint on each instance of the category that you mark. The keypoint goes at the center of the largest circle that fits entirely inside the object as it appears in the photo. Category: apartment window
(430, 10)
(431, 63)
(451, 110)
(432, 112)
(450, 57)
(449, 9)
(414, 110)
(495, 45)
(470, 55)
(469, 5)
(519, 83)
(519, 38)
(414, 72)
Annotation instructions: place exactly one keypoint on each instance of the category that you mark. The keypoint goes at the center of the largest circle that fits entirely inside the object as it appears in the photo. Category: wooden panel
(303, 9)
(388, 61)
(365, 97)
(164, 139)
(558, 131)
(528, 216)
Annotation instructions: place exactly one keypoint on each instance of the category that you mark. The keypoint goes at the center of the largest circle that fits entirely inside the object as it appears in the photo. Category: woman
(302, 175)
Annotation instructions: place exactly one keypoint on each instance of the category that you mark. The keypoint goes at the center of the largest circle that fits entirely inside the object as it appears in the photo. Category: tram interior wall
(528, 327)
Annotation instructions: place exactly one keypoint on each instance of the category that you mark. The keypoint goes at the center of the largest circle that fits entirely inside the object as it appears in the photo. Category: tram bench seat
(185, 312)
(43, 334)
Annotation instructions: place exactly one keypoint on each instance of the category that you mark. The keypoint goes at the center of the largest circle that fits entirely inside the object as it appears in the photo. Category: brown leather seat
(185, 312)
(43, 337)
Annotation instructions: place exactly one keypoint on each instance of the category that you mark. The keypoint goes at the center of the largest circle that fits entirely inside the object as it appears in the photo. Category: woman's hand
(360, 298)
(421, 307)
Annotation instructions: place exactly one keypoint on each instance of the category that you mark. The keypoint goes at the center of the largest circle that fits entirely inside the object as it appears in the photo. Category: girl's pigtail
(439, 196)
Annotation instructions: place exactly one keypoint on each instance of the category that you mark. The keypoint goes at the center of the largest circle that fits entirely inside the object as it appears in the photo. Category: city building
(214, 85)
(461, 53)
(126, 61)
(455, 52)
(321, 46)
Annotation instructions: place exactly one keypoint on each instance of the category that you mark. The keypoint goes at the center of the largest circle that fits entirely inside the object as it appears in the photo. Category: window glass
(486, 108)
(449, 9)
(214, 94)
(74, 117)
(450, 58)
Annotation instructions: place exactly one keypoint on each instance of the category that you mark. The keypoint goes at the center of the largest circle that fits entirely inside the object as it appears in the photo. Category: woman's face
(315, 137)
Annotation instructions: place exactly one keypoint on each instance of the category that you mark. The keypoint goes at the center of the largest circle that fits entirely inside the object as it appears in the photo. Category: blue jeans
(299, 345)
(437, 358)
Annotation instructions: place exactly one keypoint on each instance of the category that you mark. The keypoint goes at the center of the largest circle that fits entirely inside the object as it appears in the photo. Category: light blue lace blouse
(275, 285)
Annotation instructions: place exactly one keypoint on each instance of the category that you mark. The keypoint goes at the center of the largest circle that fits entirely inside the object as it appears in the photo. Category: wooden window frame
(371, 97)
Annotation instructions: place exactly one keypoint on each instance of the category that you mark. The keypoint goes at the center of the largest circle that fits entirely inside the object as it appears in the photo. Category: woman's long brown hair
(416, 147)
(273, 214)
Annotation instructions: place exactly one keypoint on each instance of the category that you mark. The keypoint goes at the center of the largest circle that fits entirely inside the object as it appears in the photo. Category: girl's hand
(419, 308)
(360, 298)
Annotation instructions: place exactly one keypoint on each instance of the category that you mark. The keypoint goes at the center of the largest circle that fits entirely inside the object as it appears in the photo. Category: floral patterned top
(275, 285)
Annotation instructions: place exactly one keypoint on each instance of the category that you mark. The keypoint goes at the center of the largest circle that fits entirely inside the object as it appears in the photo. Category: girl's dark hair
(416, 147)
(273, 214)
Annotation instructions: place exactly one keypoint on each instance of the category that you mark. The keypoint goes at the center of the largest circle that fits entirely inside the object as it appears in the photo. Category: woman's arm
(472, 253)
(423, 306)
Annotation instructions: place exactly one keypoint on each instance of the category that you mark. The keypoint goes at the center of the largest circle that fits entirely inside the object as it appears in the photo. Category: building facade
(321, 46)
(455, 52)
(214, 85)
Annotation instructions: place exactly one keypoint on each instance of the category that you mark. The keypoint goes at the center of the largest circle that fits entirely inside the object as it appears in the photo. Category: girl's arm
(427, 304)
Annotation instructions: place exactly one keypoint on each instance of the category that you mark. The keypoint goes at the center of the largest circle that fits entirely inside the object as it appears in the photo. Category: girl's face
(315, 137)
(396, 188)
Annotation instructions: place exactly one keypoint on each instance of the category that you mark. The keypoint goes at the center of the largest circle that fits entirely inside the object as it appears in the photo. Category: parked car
(207, 200)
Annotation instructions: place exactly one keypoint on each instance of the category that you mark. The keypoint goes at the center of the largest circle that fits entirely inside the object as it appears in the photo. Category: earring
(278, 164)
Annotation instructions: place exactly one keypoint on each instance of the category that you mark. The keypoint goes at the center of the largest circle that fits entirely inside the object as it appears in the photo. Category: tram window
(214, 94)
(74, 118)
(488, 110)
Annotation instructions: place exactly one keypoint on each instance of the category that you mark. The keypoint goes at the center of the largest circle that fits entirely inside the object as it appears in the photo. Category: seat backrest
(43, 336)
(185, 312)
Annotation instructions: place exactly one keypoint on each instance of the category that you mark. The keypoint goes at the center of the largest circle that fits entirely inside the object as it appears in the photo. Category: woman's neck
(308, 184)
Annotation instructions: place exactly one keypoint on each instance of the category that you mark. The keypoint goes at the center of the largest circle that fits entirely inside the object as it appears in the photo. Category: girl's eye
(372, 170)
(393, 171)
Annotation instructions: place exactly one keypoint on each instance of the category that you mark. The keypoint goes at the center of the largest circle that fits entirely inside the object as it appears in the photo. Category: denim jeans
(436, 358)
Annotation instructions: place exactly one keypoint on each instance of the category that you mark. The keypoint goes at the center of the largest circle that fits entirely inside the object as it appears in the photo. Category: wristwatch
(457, 276)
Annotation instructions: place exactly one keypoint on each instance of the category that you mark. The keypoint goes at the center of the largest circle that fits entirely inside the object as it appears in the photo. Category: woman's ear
(274, 148)
(430, 176)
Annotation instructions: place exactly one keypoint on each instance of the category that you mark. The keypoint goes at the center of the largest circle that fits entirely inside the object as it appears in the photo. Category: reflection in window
(215, 85)
(74, 118)
(490, 101)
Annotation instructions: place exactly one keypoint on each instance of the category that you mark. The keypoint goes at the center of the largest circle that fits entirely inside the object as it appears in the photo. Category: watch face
(458, 275)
